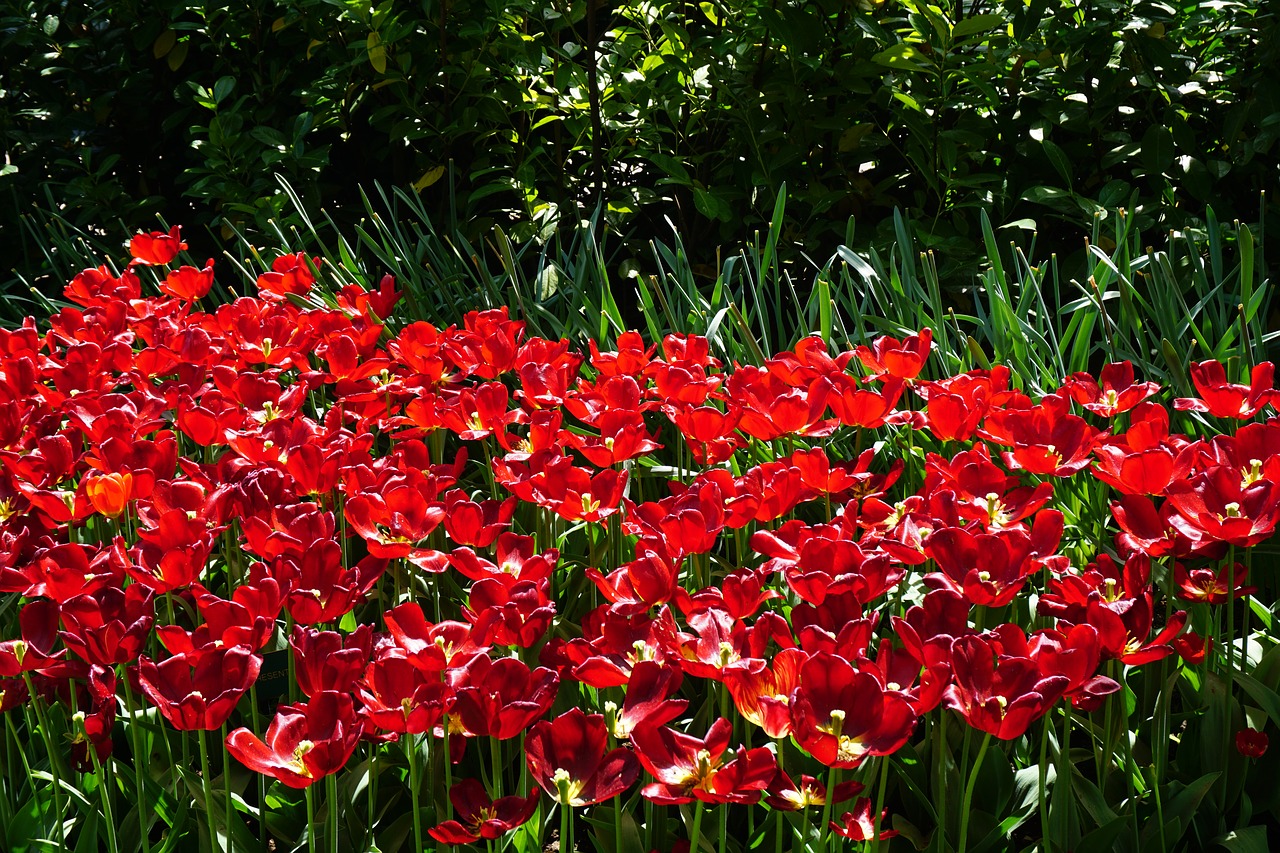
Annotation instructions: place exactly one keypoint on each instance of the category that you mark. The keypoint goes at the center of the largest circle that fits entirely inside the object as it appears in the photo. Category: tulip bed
(286, 574)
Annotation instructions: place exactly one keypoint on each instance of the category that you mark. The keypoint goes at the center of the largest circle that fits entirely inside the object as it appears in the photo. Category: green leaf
(1046, 195)
(1103, 838)
(377, 52)
(223, 88)
(1263, 695)
(976, 24)
(903, 56)
(1157, 149)
(711, 205)
(1252, 839)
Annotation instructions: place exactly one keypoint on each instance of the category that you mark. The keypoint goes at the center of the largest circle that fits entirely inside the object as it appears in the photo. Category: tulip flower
(304, 743)
(1112, 393)
(327, 660)
(199, 691)
(567, 758)
(688, 768)
(109, 626)
(841, 716)
(500, 698)
(860, 824)
(1223, 399)
(397, 697)
(647, 700)
(39, 623)
(157, 248)
(1000, 698)
(789, 796)
(481, 817)
(1251, 743)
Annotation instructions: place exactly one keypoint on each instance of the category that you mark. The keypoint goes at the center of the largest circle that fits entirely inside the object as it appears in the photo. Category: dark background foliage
(1045, 113)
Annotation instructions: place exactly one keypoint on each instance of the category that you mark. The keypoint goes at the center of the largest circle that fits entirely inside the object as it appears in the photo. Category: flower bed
(673, 597)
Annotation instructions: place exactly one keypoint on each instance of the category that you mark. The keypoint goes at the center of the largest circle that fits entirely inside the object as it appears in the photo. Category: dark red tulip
(201, 690)
(567, 758)
(304, 743)
(481, 817)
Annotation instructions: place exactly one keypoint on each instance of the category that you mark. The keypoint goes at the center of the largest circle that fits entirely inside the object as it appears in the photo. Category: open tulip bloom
(458, 574)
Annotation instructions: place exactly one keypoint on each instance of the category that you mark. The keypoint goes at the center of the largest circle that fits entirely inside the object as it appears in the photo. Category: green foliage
(525, 114)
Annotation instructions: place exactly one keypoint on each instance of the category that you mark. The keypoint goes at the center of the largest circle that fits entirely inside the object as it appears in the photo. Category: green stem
(566, 845)
(448, 768)
(53, 756)
(207, 787)
(331, 794)
(833, 781)
(413, 792)
(695, 835)
(968, 793)
(133, 708)
(104, 790)
(940, 765)
(311, 819)
(875, 819)
(226, 781)
(617, 822)
(1043, 801)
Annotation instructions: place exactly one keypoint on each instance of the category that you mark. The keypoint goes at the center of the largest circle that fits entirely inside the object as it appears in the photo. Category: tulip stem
(226, 781)
(413, 792)
(104, 789)
(833, 781)
(448, 767)
(331, 794)
(495, 764)
(968, 793)
(130, 702)
(940, 769)
(566, 826)
(695, 835)
(311, 819)
(1230, 638)
(1044, 775)
(206, 785)
(53, 755)
(876, 828)
(617, 822)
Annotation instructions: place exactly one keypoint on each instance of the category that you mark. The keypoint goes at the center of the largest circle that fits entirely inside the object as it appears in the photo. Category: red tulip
(188, 283)
(397, 697)
(647, 699)
(688, 768)
(1002, 697)
(1223, 399)
(566, 756)
(1251, 743)
(901, 359)
(788, 796)
(199, 691)
(329, 661)
(109, 626)
(39, 623)
(860, 824)
(157, 247)
(481, 817)
(500, 698)
(841, 716)
(1112, 393)
(304, 743)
